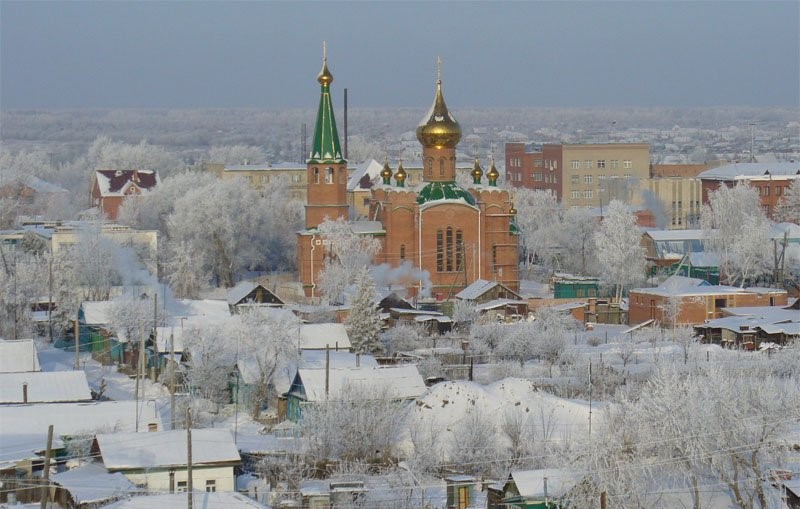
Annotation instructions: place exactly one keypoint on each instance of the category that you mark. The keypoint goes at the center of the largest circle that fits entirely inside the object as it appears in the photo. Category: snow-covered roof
(198, 311)
(370, 167)
(531, 484)
(404, 311)
(778, 229)
(401, 382)
(317, 336)
(93, 483)
(673, 235)
(498, 303)
(14, 448)
(97, 312)
(266, 444)
(163, 338)
(18, 356)
(435, 318)
(315, 359)
(283, 165)
(366, 227)
(240, 291)
(203, 500)
(476, 289)
(45, 387)
(677, 282)
(115, 182)
(772, 314)
(163, 449)
(752, 171)
(74, 418)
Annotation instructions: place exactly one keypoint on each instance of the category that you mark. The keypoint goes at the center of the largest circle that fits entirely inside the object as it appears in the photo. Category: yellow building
(262, 175)
(595, 174)
(681, 199)
(143, 242)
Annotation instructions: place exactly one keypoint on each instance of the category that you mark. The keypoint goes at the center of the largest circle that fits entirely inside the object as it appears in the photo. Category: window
(449, 249)
(588, 193)
(316, 175)
(494, 257)
(576, 165)
(575, 178)
(601, 163)
(211, 485)
(614, 164)
(587, 164)
(766, 191)
(439, 250)
(576, 194)
(627, 164)
(329, 175)
(402, 251)
(182, 486)
(537, 163)
(296, 178)
(366, 201)
(554, 165)
(441, 167)
(587, 179)
(601, 177)
(778, 191)
(430, 167)
(459, 249)
(537, 177)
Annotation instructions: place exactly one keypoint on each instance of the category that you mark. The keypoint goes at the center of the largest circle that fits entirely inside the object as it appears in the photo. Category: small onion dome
(477, 172)
(400, 176)
(325, 77)
(493, 174)
(512, 210)
(386, 173)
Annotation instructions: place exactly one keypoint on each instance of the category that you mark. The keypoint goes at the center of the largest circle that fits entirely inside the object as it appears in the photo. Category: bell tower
(326, 169)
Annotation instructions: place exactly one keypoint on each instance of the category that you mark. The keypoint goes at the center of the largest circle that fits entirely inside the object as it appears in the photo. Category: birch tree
(736, 229)
(619, 252)
(347, 253)
(788, 208)
(538, 215)
(211, 359)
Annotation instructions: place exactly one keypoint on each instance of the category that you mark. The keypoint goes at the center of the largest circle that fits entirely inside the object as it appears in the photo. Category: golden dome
(477, 172)
(512, 210)
(438, 128)
(386, 172)
(325, 77)
(400, 176)
(493, 174)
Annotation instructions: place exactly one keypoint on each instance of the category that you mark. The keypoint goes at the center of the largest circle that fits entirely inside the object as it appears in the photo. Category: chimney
(358, 360)
(544, 479)
(24, 392)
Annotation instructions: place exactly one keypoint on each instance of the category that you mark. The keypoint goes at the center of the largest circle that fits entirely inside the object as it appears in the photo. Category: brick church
(457, 235)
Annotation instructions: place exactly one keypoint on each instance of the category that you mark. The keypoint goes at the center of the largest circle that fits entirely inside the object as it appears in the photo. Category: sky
(263, 54)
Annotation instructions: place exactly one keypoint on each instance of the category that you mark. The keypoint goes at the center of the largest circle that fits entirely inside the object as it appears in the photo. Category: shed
(250, 293)
(18, 356)
(538, 489)
(44, 387)
(482, 290)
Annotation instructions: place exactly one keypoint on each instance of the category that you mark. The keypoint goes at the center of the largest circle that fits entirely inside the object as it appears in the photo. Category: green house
(536, 489)
(567, 286)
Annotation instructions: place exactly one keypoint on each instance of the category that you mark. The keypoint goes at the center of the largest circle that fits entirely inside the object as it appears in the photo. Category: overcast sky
(73, 54)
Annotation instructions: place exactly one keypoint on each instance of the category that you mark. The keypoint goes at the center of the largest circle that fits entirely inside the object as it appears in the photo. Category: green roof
(513, 228)
(444, 191)
(326, 148)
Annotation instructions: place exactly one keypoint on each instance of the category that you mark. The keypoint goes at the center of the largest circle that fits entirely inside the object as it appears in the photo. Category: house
(679, 252)
(30, 192)
(568, 286)
(770, 179)
(111, 187)
(207, 500)
(315, 385)
(693, 301)
(24, 427)
(90, 486)
(44, 387)
(536, 489)
(157, 461)
(249, 293)
(481, 291)
(750, 327)
(319, 336)
(144, 243)
(18, 356)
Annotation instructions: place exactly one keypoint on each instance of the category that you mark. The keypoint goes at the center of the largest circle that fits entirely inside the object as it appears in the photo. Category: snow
(530, 483)
(497, 303)
(240, 291)
(402, 382)
(318, 336)
(163, 338)
(125, 451)
(97, 312)
(476, 289)
(18, 356)
(204, 500)
(315, 359)
(93, 483)
(44, 387)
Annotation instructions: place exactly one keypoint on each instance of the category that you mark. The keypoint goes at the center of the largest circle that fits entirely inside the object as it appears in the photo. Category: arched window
(494, 257)
(430, 166)
(459, 263)
(449, 249)
(441, 167)
(329, 175)
(439, 251)
(316, 175)
(402, 251)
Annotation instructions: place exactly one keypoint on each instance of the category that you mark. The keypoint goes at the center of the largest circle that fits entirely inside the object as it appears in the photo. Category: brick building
(457, 235)
(588, 175)
(111, 187)
(261, 175)
(770, 179)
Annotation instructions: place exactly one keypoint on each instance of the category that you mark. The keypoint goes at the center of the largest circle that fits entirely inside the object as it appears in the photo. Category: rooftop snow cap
(438, 128)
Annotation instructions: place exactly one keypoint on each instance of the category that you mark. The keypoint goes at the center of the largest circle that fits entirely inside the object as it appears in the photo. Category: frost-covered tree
(236, 154)
(619, 252)
(106, 154)
(364, 322)
(788, 208)
(474, 443)
(736, 229)
(403, 338)
(575, 241)
(464, 314)
(538, 214)
(212, 354)
(132, 316)
(23, 280)
(91, 267)
(347, 253)
(267, 344)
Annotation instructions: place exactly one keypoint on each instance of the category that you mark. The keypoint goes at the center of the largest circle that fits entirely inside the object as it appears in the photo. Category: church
(454, 234)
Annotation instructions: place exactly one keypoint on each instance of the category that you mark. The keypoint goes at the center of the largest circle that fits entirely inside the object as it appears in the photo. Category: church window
(316, 175)
(459, 249)
(329, 175)
(449, 249)
(402, 251)
(439, 251)
(441, 167)
(494, 257)
(430, 166)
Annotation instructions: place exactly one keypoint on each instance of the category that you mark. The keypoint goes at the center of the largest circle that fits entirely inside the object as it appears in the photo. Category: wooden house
(251, 294)
(482, 291)
(536, 489)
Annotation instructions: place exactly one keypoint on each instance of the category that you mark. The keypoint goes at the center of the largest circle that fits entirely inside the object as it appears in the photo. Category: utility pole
(50, 303)
(172, 379)
(77, 331)
(189, 483)
(590, 396)
(155, 336)
(45, 493)
(602, 500)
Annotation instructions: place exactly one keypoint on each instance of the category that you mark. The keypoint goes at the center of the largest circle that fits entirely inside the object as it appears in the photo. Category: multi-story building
(770, 179)
(580, 175)
(679, 201)
(262, 175)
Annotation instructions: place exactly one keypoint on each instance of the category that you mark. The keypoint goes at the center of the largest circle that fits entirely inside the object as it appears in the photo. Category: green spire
(325, 148)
